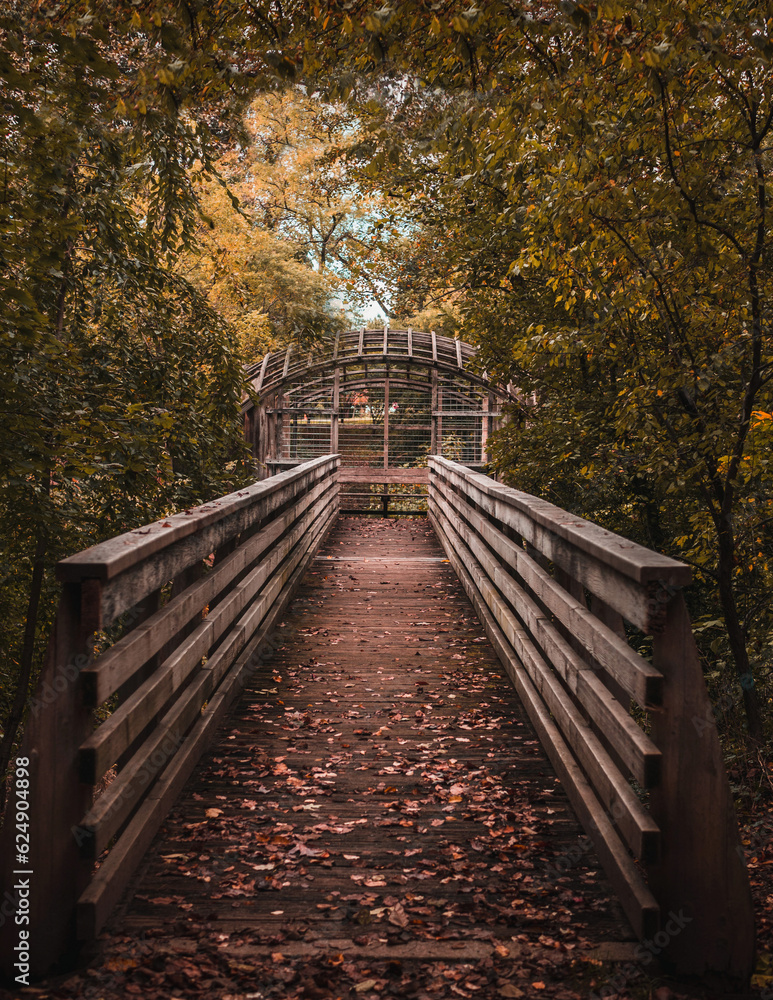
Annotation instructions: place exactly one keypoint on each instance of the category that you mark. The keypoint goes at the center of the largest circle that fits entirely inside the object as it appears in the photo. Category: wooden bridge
(375, 722)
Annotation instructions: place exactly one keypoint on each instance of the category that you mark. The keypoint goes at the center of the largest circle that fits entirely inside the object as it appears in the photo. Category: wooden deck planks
(377, 788)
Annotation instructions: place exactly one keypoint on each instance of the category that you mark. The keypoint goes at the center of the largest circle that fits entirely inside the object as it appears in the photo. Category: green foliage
(583, 191)
(594, 184)
(254, 279)
(121, 384)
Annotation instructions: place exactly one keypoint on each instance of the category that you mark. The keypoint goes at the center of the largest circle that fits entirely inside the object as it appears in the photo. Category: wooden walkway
(377, 816)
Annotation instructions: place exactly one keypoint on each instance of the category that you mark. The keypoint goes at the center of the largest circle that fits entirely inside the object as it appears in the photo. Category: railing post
(700, 881)
(386, 422)
(334, 416)
(55, 874)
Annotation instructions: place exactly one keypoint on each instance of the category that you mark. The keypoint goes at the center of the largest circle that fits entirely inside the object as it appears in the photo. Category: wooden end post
(707, 922)
(48, 886)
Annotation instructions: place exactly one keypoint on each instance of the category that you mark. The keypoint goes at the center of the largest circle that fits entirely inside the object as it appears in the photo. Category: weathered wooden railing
(192, 599)
(554, 592)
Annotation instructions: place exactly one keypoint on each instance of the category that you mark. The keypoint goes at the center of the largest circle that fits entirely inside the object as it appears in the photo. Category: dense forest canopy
(579, 189)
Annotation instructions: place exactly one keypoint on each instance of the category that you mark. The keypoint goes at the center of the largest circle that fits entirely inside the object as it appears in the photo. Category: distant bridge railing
(554, 592)
(188, 603)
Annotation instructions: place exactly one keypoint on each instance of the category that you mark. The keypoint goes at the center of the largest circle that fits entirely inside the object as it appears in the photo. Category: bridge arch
(384, 400)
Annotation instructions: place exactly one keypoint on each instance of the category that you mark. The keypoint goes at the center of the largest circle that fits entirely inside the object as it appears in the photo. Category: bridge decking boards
(376, 809)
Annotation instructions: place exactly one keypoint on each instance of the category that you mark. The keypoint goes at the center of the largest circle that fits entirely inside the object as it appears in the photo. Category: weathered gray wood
(640, 755)
(639, 904)
(280, 443)
(487, 427)
(111, 810)
(126, 791)
(101, 678)
(100, 751)
(708, 918)
(411, 352)
(262, 375)
(631, 579)
(260, 444)
(639, 678)
(632, 560)
(628, 747)
(139, 616)
(108, 559)
(434, 438)
(470, 414)
(372, 474)
(134, 565)
(439, 420)
(106, 888)
(701, 873)
(609, 617)
(636, 825)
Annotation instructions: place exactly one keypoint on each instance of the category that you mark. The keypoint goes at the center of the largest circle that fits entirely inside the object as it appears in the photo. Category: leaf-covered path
(377, 817)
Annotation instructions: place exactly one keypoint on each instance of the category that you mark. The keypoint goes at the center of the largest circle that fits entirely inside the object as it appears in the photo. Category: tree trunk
(27, 659)
(736, 634)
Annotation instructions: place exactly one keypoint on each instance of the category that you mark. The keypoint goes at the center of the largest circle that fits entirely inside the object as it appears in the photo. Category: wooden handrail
(190, 601)
(555, 593)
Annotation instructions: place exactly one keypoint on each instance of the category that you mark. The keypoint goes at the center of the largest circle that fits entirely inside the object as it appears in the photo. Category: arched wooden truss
(383, 399)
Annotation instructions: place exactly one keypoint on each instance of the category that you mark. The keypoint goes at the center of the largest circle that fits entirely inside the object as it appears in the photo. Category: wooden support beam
(286, 368)
(386, 423)
(486, 429)
(410, 342)
(439, 419)
(361, 342)
(262, 375)
(372, 474)
(334, 417)
(434, 439)
(271, 435)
